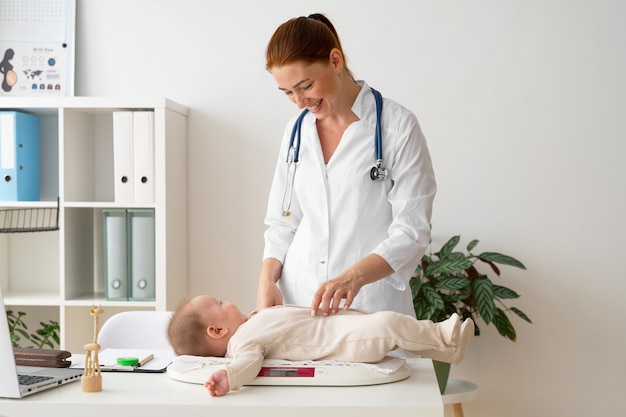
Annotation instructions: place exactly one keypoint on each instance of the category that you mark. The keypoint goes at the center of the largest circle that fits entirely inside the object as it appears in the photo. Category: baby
(204, 326)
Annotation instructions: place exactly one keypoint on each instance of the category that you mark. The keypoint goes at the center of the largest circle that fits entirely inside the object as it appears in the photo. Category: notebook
(152, 360)
(20, 381)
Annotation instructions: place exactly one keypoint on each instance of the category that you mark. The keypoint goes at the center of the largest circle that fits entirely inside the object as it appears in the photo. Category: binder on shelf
(19, 156)
(142, 254)
(115, 255)
(143, 156)
(123, 156)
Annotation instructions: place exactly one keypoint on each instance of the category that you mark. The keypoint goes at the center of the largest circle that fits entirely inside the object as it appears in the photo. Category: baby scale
(308, 373)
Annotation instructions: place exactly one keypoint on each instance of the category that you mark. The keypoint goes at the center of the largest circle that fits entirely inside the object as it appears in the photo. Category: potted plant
(449, 281)
(47, 336)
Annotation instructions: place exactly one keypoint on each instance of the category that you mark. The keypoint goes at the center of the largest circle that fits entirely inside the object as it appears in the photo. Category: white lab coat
(339, 215)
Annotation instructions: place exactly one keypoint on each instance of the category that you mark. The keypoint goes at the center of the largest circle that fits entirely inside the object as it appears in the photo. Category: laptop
(20, 381)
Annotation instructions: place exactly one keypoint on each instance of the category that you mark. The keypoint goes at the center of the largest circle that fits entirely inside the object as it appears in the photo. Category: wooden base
(91, 383)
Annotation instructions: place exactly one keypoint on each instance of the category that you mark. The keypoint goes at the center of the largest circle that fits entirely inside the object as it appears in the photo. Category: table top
(161, 395)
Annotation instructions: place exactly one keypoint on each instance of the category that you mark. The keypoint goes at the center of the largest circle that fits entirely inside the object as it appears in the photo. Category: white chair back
(136, 330)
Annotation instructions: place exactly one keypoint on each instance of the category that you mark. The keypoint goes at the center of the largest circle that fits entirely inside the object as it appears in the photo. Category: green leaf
(521, 314)
(472, 245)
(449, 246)
(433, 297)
(484, 298)
(423, 309)
(447, 266)
(416, 284)
(452, 283)
(462, 295)
(23, 333)
(504, 292)
(500, 259)
(504, 325)
(456, 256)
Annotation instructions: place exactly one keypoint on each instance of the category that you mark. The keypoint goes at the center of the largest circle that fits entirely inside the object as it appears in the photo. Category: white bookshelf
(59, 274)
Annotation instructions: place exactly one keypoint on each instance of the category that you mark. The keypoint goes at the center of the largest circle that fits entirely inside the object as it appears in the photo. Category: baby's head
(203, 325)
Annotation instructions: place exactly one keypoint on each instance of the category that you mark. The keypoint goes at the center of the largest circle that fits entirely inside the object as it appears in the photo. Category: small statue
(92, 377)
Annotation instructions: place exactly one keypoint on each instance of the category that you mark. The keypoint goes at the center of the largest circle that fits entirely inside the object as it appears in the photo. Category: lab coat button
(323, 261)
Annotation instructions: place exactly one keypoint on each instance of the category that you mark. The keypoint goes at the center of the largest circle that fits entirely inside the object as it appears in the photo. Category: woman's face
(309, 85)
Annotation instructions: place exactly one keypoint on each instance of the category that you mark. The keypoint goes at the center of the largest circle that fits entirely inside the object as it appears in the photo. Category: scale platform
(312, 374)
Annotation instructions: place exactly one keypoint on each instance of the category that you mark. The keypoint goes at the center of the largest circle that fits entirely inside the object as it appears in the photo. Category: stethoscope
(377, 173)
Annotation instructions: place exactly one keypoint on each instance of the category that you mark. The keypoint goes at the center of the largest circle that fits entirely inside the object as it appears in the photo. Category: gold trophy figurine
(92, 377)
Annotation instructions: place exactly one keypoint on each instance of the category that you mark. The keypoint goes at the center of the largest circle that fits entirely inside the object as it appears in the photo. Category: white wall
(523, 105)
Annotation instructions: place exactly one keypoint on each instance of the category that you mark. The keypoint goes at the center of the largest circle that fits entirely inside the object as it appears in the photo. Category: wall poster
(37, 44)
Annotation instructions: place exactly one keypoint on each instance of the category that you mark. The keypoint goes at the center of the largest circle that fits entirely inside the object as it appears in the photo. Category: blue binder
(19, 156)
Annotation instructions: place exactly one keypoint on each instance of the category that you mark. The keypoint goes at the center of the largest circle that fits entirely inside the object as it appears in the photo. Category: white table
(157, 395)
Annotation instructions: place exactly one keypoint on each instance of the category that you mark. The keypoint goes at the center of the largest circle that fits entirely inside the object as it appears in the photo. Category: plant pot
(442, 371)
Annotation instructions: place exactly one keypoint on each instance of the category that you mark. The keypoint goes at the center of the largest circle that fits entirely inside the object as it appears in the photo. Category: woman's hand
(329, 295)
(268, 293)
(348, 284)
(217, 384)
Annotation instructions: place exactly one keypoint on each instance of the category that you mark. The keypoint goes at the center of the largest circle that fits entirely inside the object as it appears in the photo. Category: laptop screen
(9, 386)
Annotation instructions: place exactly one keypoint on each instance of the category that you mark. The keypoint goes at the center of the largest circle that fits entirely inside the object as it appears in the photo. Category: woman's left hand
(348, 284)
(329, 295)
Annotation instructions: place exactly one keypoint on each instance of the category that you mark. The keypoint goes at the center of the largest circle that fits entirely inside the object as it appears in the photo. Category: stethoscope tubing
(378, 98)
(296, 134)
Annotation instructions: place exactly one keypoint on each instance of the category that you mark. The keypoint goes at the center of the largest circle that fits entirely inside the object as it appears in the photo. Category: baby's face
(225, 314)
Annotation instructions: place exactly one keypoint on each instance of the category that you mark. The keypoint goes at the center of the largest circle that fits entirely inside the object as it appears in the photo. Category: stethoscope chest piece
(378, 173)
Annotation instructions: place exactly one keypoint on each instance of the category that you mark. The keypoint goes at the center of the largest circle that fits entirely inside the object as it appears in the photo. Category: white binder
(115, 255)
(142, 262)
(143, 128)
(123, 156)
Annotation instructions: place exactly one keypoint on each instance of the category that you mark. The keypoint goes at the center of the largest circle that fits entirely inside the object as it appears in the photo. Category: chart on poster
(37, 47)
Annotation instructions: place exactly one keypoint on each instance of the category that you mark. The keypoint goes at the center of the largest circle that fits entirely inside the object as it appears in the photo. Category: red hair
(309, 39)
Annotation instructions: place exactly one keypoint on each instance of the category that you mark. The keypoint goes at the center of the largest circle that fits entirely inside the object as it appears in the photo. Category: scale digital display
(284, 371)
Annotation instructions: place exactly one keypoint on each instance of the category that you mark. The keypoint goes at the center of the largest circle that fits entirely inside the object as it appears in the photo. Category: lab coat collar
(364, 106)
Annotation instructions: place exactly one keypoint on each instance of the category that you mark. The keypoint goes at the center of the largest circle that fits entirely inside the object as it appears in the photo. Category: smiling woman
(346, 239)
